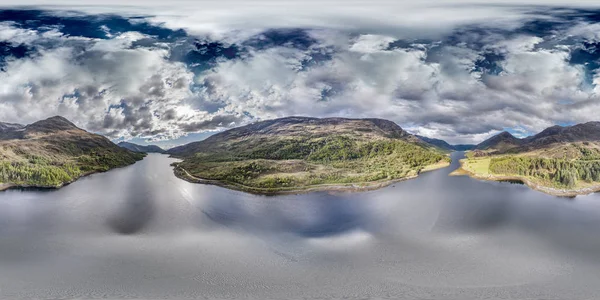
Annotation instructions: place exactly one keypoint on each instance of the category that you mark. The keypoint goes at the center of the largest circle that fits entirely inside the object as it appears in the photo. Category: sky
(147, 72)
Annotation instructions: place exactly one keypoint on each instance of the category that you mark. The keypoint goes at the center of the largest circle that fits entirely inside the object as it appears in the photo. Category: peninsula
(301, 154)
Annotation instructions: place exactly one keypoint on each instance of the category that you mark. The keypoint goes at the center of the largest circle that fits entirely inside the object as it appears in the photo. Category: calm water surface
(140, 232)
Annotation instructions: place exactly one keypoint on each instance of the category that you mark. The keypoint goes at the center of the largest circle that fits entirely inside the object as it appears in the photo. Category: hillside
(53, 152)
(299, 153)
(559, 160)
(139, 148)
(501, 142)
(445, 145)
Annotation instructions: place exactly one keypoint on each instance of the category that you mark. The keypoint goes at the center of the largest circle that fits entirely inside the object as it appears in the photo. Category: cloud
(476, 70)
(104, 85)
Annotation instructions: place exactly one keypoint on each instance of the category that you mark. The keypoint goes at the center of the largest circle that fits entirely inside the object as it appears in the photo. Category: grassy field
(480, 166)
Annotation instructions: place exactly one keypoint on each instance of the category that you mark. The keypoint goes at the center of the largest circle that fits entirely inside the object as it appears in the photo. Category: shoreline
(10, 186)
(333, 187)
(532, 185)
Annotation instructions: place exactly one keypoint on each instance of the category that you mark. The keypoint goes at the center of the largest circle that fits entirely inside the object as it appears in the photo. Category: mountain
(436, 142)
(501, 142)
(560, 160)
(444, 145)
(53, 152)
(6, 127)
(585, 132)
(8, 130)
(139, 148)
(254, 134)
(299, 153)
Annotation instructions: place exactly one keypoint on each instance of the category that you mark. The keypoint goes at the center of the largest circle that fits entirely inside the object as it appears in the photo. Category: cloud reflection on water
(155, 236)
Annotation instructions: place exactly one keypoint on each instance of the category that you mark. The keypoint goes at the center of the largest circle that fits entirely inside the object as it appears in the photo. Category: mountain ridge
(141, 148)
(267, 127)
(445, 145)
(505, 141)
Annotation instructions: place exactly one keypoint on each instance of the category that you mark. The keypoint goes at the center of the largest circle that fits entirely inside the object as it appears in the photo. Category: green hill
(53, 152)
(299, 153)
(559, 160)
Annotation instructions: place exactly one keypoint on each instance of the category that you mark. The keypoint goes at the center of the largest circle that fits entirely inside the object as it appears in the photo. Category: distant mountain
(585, 132)
(8, 130)
(436, 142)
(5, 127)
(139, 148)
(299, 153)
(53, 152)
(501, 142)
(445, 145)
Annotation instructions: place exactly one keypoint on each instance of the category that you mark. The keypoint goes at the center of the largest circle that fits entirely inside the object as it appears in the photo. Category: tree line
(560, 171)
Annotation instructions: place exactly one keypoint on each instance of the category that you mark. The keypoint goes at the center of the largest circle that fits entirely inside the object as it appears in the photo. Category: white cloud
(395, 18)
(434, 89)
(370, 43)
(15, 35)
(588, 31)
(109, 88)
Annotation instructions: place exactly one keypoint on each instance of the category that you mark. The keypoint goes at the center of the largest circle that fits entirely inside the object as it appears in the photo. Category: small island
(54, 152)
(300, 154)
(561, 161)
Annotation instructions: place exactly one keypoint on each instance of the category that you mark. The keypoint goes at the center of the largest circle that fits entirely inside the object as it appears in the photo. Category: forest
(297, 162)
(35, 170)
(561, 172)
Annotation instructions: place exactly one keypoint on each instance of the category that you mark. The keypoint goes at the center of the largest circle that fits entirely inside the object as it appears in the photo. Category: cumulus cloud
(461, 72)
(103, 85)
